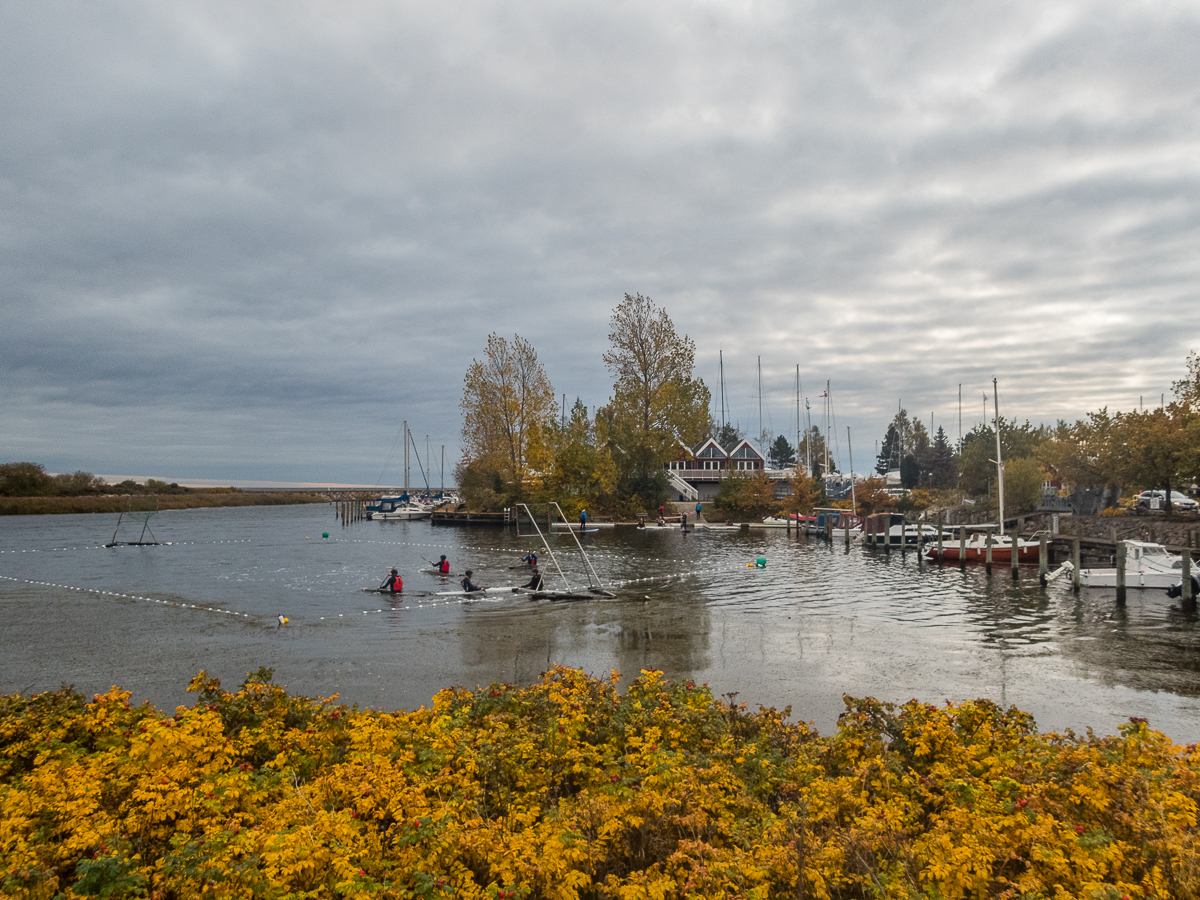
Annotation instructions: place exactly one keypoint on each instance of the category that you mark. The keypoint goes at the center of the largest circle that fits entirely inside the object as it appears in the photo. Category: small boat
(1175, 591)
(977, 548)
(891, 529)
(397, 508)
(1147, 565)
(839, 518)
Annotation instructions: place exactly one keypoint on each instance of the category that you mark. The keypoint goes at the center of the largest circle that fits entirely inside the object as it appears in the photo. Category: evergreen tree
(943, 472)
(728, 436)
(782, 454)
(889, 457)
(910, 472)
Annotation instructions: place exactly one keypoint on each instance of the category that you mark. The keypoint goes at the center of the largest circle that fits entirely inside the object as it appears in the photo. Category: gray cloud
(248, 241)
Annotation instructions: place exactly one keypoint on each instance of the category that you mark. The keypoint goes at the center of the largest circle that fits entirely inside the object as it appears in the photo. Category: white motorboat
(1147, 565)
(397, 509)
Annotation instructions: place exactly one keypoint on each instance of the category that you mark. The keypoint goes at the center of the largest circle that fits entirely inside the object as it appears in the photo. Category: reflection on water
(818, 622)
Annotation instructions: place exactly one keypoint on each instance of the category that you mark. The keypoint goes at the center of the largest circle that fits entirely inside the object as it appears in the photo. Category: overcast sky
(245, 241)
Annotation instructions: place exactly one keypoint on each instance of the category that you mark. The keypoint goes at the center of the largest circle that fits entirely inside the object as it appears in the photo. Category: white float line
(510, 550)
(98, 592)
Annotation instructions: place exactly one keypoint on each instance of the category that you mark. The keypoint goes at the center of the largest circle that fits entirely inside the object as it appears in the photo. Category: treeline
(28, 479)
(520, 444)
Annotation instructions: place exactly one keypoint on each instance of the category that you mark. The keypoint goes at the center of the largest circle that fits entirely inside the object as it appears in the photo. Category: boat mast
(798, 422)
(406, 456)
(761, 436)
(850, 450)
(721, 371)
(999, 462)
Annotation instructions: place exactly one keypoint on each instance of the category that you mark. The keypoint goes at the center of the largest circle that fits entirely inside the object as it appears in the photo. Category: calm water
(818, 622)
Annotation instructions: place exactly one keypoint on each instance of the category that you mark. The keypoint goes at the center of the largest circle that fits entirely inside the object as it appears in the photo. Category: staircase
(679, 487)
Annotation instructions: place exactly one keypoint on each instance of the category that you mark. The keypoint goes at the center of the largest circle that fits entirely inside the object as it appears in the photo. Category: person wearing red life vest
(443, 565)
(393, 584)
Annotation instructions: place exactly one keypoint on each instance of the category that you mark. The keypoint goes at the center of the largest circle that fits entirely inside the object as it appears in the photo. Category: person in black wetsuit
(393, 584)
(468, 585)
(535, 582)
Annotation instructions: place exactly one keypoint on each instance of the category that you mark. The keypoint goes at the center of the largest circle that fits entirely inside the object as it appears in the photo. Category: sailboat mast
(999, 462)
(850, 450)
(406, 456)
(760, 425)
(721, 371)
(798, 423)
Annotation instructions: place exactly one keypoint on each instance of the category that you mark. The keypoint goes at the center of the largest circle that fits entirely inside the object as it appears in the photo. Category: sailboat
(979, 543)
(400, 507)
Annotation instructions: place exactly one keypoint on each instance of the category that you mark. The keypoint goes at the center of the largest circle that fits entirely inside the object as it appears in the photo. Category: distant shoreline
(116, 503)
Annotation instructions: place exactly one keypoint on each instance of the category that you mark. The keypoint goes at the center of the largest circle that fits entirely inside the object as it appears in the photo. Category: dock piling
(1122, 552)
(1186, 571)
(988, 542)
(1015, 551)
(1043, 560)
(962, 546)
(1076, 555)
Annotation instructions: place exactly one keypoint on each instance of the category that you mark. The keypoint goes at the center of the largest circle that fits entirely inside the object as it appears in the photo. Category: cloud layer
(247, 241)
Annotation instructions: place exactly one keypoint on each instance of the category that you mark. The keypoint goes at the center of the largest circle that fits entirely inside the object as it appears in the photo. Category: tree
(581, 473)
(24, 479)
(1160, 446)
(813, 447)
(1023, 481)
(1187, 390)
(656, 399)
(943, 472)
(782, 454)
(807, 491)
(728, 436)
(506, 399)
(910, 472)
(746, 494)
(889, 458)
(872, 496)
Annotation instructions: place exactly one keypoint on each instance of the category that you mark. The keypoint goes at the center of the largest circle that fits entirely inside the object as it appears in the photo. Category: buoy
(324, 534)
(283, 620)
(760, 563)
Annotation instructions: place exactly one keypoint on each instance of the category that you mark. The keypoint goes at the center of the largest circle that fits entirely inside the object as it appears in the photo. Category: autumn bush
(567, 788)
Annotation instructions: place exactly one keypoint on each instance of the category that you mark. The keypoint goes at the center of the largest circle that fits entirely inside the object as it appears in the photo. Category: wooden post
(1076, 559)
(846, 518)
(1186, 571)
(1043, 562)
(828, 527)
(1121, 554)
(988, 542)
(1016, 551)
(920, 542)
(940, 547)
(962, 546)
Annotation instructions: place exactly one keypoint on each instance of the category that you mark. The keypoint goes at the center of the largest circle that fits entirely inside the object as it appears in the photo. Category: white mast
(406, 456)
(999, 462)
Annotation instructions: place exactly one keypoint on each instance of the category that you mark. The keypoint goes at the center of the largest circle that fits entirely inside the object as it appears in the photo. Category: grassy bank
(114, 503)
(568, 789)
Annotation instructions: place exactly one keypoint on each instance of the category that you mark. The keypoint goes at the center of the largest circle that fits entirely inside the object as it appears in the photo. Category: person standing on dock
(468, 585)
(699, 509)
(393, 584)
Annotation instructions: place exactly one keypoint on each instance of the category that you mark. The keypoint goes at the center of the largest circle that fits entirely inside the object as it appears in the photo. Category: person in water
(535, 582)
(393, 584)
(641, 521)
(443, 565)
(683, 519)
(468, 585)
(530, 559)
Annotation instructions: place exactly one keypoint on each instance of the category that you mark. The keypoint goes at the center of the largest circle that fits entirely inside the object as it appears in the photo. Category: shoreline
(117, 503)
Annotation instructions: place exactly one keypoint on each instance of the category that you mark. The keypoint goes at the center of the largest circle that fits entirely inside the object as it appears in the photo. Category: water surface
(818, 622)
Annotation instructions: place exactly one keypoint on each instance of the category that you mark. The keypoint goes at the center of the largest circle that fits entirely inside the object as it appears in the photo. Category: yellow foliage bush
(567, 789)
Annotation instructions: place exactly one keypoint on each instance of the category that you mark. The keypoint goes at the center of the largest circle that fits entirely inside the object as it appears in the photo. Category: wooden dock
(473, 519)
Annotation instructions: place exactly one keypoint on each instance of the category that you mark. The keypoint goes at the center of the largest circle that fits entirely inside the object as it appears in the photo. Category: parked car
(1155, 501)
